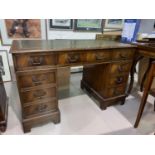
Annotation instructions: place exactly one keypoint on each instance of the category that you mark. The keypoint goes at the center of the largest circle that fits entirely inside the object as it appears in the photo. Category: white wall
(7, 48)
(68, 34)
(146, 26)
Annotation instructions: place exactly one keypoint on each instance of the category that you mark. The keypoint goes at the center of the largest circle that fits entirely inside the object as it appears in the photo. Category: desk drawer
(39, 109)
(38, 94)
(83, 57)
(23, 61)
(117, 80)
(122, 54)
(98, 56)
(72, 58)
(119, 68)
(114, 91)
(36, 78)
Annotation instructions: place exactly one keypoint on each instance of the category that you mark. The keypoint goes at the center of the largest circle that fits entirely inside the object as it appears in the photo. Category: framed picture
(95, 25)
(114, 23)
(4, 66)
(13, 29)
(61, 23)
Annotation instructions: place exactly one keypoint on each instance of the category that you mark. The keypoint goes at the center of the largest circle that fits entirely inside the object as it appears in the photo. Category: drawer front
(117, 80)
(120, 68)
(72, 58)
(122, 54)
(36, 78)
(23, 61)
(38, 94)
(115, 91)
(39, 109)
(98, 56)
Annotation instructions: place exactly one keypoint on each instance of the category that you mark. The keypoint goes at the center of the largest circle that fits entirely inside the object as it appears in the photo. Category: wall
(145, 27)
(69, 34)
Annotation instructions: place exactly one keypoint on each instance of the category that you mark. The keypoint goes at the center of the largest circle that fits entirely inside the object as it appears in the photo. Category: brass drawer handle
(37, 81)
(119, 80)
(99, 57)
(39, 94)
(122, 56)
(73, 58)
(33, 61)
(41, 108)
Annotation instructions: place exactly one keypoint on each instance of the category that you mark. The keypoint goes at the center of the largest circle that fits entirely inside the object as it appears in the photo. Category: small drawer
(36, 78)
(38, 94)
(117, 80)
(114, 91)
(23, 61)
(98, 56)
(119, 68)
(72, 58)
(39, 109)
(122, 54)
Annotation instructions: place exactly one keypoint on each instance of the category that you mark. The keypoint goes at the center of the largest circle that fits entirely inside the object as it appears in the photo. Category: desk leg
(132, 72)
(145, 95)
(144, 76)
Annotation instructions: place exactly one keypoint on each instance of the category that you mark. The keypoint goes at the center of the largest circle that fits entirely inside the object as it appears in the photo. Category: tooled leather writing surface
(64, 45)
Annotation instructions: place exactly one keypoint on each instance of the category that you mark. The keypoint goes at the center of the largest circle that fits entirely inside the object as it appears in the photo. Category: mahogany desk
(107, 65)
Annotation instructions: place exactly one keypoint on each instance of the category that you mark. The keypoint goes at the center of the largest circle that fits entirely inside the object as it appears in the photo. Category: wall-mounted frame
(60, 23)
(4, 66)
(114, 23)
(94, 25)
(14, 29)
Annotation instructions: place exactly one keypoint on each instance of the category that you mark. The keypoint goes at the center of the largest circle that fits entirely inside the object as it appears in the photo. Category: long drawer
(39, 109)
(27, 61)
(34, 95)
(30, 79)
(83, 57)
(96, 56)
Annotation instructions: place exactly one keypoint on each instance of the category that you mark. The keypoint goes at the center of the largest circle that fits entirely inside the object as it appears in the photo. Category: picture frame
(92, 25)
(4, 66)
(114, 23)
(61, 23)
(28, 29)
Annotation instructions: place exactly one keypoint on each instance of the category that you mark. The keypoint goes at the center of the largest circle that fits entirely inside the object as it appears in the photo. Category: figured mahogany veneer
(105, 75)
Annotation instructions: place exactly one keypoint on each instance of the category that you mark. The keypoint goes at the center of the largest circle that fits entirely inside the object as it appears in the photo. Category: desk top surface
(21, 46)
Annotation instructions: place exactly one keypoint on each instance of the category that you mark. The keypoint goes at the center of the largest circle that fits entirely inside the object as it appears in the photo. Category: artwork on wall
(12, 29)
(61, 23)
(4, 66)
(114, 23)
(95, 25)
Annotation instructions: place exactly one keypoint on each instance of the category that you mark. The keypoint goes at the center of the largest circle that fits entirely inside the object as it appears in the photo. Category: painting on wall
(95, 25)
(4, 66)
(114, 23)
(23, 28)
(61, 23)
(13, 29)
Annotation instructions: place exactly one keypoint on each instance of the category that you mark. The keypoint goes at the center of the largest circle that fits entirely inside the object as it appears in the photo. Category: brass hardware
(41, 108)
(34, 60)
(73, 58)
(99, 57)
(39, 93)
